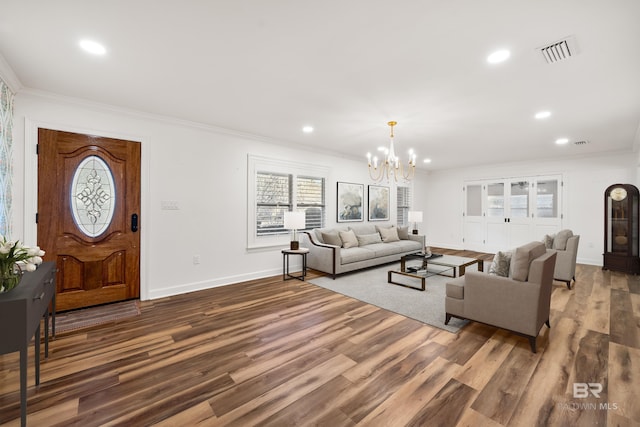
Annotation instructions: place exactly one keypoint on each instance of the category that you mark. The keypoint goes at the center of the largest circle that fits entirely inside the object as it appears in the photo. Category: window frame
(259, 164)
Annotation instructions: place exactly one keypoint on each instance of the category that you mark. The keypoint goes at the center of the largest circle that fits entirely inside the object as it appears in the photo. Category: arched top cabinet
(621, 222)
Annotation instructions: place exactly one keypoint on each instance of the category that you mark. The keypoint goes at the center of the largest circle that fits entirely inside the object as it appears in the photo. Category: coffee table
(457, 263)
(416, 272)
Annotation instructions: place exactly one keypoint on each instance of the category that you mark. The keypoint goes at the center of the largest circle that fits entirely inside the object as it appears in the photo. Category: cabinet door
(474, 224)
(547, 207)
(497, 226)
(519, 211)
(506, 213)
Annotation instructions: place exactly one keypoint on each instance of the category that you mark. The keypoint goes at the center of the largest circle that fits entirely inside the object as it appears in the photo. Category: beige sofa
(565, 245)
(519, 302)
(332, 250)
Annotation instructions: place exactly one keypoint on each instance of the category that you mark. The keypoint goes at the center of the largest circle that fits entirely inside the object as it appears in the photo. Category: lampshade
(415, 216)
(294, 220)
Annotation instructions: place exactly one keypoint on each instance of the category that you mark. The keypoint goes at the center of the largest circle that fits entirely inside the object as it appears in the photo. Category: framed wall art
(350, 202)
(378, 203)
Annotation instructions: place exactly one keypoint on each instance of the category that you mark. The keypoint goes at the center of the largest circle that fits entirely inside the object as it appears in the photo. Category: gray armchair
(519, 303)
(565, 270)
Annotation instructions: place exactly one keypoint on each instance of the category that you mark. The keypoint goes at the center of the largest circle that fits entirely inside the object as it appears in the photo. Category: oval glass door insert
(93, 196)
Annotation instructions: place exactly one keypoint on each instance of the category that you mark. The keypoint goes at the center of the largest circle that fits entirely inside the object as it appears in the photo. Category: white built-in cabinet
(501, 214)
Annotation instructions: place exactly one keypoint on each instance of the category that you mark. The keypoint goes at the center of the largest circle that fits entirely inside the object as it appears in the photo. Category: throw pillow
(560, 241)
(389, 234)
(349, 239)
(403, 233)
(332, 239)
(501, 263)
(548, 241)
(368, 239)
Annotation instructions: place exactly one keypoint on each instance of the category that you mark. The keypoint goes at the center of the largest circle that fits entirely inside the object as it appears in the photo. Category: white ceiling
(347, 67)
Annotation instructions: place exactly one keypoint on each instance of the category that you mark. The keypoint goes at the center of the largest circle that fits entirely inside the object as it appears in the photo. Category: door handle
(134, 222)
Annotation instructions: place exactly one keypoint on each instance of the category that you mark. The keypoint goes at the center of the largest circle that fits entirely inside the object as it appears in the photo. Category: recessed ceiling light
(426, 161)
(93, 47)
(307, 129)
(498, 56)
(562, 141)
(543, 114)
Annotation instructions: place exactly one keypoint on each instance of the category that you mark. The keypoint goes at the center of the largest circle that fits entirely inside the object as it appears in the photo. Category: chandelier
(391, 166)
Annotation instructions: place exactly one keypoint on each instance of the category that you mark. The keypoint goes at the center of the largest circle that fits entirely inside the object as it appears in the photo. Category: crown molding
(9, 76)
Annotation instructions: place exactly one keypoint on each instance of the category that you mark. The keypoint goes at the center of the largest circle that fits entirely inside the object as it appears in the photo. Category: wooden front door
(88, 216)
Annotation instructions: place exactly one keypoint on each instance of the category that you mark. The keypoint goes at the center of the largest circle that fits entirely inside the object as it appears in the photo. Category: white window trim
(257, 164)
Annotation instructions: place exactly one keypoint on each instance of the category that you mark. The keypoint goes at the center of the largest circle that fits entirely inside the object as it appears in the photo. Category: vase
(10, 276)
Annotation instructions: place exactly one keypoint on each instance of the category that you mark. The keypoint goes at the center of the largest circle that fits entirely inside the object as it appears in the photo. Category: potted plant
(16, 258)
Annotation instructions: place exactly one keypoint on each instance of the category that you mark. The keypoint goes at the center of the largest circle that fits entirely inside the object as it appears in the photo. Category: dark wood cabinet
(621, 223)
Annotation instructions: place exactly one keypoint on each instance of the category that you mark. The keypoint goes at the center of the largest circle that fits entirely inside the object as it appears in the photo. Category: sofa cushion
(385, 249)
(501, 263)
(548, 240)
(363, 229)
(407, 245)
(560, 241)
(332, 238)
(368, 239)
(522, 257)
(349, 239)
(318, 232)
(403, 233)
(389, 234)
(356, 254)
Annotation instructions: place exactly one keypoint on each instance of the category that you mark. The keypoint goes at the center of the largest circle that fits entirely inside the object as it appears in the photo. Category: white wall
(203, 169)
(585, 180)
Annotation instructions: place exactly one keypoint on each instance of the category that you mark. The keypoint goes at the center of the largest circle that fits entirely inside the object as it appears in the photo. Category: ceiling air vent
(581, 142)
(559, 50)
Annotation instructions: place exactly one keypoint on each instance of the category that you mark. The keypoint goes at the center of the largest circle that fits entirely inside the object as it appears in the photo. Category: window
(275, 195)
(276, 187)
(403, 196)
(310, 200)
(273, 198)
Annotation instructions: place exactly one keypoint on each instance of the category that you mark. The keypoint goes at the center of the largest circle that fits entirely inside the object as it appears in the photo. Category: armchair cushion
(501, 263)
(560, 241)
(522, 257)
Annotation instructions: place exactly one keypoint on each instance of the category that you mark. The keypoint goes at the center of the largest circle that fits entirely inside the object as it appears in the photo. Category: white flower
(5, 247)
(30, 267)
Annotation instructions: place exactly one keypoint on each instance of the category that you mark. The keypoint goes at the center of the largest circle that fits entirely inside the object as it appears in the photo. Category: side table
(285, 263)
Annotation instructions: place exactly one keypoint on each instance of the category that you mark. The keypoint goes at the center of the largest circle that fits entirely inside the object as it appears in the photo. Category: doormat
(94, 316)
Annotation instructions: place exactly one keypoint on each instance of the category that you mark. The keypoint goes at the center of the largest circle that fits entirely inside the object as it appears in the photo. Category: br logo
(582, 390)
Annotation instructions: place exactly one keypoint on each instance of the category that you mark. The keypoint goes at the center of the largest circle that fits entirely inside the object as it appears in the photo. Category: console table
(21, 310)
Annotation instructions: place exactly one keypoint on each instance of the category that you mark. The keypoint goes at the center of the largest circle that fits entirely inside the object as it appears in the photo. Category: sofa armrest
(322, 257)
(418, 238)
(502, 302)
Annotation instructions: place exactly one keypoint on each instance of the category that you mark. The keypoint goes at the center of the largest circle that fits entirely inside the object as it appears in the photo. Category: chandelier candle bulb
(392, 166)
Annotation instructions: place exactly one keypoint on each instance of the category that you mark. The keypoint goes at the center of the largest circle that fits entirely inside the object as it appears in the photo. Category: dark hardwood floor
(276, 353)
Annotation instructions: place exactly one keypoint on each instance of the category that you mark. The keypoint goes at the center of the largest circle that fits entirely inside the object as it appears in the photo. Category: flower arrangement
(14, 259)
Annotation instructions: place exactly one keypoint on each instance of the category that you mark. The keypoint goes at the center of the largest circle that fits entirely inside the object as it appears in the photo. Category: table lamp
(294, 221)
(415, 217)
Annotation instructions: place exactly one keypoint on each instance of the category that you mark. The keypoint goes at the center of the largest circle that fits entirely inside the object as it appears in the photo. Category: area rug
(94, 316)
(371, 286)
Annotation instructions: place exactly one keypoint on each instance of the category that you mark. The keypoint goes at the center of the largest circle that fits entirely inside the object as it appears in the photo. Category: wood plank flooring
(276, 353)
